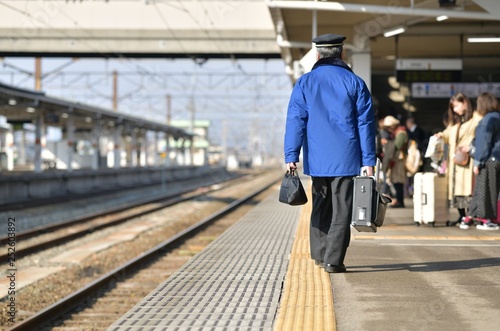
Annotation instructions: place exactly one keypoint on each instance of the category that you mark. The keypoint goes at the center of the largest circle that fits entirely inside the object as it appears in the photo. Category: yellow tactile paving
(381, 237)
(487, 238)
(307, 303)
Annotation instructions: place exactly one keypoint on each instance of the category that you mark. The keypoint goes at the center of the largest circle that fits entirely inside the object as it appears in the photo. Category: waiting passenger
(395, 159)
(458, 135)
(421, 137)
(486, 154)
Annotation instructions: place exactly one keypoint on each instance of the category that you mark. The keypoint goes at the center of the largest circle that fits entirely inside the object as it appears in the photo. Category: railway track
(44, 237)
(108, 297)
(73, 196)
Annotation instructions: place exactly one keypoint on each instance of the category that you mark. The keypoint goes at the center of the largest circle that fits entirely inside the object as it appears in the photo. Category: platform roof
(138, 28)
(24, 106)
(364, 22)
(252, 29)
(263, 28)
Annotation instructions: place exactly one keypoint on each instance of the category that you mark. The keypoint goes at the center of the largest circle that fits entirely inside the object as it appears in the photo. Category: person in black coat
(418, 134)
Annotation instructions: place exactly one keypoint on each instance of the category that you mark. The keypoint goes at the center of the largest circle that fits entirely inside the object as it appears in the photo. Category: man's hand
(291, 166)
(367, 171)
(476, 170)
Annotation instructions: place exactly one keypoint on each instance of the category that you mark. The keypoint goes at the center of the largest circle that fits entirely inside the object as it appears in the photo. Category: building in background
(195, 154)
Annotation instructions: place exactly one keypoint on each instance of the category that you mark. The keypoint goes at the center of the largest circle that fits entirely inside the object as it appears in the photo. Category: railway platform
(259, 276)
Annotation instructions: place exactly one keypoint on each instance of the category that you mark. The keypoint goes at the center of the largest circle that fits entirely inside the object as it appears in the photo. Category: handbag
(291, 190)
(461, 158)
(382, 202)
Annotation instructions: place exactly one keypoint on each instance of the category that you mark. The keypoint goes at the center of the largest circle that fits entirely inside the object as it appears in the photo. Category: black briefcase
(369, 205)
(291, 190)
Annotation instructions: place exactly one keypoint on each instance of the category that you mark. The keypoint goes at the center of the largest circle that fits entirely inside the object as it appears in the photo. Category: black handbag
(291, 190)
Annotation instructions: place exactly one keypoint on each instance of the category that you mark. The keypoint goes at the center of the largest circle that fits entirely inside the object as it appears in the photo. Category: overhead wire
(127, 61)
(215, 41)
(104, 54)
(86, 44)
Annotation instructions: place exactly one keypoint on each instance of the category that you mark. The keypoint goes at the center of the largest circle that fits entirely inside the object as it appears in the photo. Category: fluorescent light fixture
(397, 96)
(441, 18)
(12, 102)
(394, 32)
(30, 109)
(484, 40)
(393, 82)
(409, 107)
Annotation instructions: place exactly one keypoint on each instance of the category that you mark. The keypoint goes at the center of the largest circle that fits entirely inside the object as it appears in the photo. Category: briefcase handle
(376, 176)
(377, 167)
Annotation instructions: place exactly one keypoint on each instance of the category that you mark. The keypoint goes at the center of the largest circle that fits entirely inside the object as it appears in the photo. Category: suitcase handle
(376, 173)
(424, 198)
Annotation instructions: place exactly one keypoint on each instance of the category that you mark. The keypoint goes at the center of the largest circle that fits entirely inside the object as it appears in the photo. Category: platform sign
(428, 70)
(437, 76)
(446, 90)
(429, 64)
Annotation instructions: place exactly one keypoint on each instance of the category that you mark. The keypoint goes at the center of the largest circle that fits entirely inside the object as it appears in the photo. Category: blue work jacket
(330, 115)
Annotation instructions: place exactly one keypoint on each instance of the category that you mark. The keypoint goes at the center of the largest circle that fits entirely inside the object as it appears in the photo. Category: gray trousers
(330, 230)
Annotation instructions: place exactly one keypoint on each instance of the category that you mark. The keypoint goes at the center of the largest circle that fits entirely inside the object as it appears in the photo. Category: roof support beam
(375, 9)
(492, 6)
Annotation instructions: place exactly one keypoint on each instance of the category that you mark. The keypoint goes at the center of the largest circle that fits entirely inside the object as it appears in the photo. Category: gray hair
(329, 51)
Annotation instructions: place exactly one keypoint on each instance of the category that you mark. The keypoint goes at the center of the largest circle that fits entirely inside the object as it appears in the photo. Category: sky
(245, 100)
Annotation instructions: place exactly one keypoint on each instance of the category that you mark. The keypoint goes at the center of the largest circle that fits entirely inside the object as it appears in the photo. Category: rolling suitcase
(369, 206)
(430, 199)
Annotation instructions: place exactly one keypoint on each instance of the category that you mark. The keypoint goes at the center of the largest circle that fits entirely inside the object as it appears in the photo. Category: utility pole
(115, 90)
(191, 115)
(38, 74)
(192, 111)
(224, 142)
(169, 109)
(169, 120)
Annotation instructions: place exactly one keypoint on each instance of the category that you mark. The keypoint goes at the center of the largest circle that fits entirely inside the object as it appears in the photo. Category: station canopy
(22, 106)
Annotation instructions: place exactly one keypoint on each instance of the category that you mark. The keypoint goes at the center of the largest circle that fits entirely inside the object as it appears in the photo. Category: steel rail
(56, 310)
(72, 196)
(168, 200)
(23, 235)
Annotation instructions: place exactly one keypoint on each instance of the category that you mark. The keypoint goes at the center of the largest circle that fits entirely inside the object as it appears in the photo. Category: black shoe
(335, 269)
(398, 205)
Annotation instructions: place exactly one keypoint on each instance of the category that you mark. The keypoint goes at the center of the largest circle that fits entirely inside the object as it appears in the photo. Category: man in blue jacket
(330, 115)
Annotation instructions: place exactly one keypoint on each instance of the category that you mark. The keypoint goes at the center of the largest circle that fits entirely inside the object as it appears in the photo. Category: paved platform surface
(406, 277)
(235, 283)
(259, 276)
